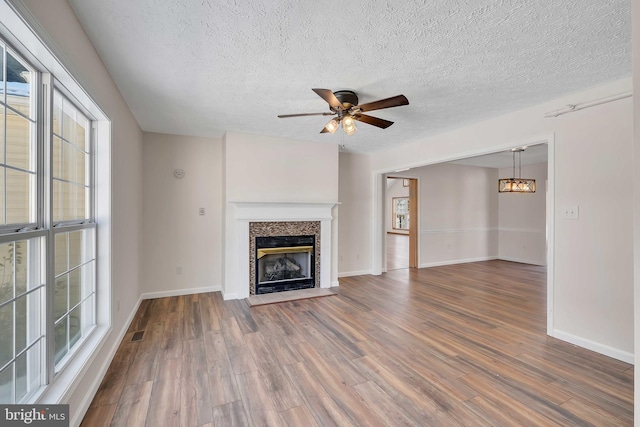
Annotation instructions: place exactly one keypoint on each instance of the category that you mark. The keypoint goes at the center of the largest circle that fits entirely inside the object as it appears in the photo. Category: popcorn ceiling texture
(199, 67)
(294, 228)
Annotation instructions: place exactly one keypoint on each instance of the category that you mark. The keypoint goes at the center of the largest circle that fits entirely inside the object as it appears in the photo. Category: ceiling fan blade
(370, 120)
(394, 101)
(284, 116)
(328, 96)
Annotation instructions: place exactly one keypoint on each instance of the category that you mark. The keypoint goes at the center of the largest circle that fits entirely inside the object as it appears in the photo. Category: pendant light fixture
(519, 184)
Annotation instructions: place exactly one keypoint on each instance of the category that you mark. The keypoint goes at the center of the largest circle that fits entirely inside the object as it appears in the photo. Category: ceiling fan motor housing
(347, 97)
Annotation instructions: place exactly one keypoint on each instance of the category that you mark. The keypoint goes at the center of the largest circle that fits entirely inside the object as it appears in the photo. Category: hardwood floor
(397, 251)
(460, 345)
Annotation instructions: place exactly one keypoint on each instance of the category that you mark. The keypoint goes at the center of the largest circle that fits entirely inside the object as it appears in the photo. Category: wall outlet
(179, 269)
(201, 211)
(570, 212)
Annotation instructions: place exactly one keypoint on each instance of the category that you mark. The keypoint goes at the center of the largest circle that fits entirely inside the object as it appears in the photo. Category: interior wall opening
(498, 162)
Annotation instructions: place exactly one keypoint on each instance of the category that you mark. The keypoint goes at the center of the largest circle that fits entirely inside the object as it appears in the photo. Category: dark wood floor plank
(231, 414)
(282, 392)
(383, 405)
(460, 345)
(99, 416)
(195, 379)
(257, 400)
(112, 384)
(324, 409)
(133, 406)
(296, 417)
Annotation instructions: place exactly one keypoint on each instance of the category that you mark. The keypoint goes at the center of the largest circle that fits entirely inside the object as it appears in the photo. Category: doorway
(379, 250)
(401, 212)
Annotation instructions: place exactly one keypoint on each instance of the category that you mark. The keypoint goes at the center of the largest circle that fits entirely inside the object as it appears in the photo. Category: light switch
(201, 211)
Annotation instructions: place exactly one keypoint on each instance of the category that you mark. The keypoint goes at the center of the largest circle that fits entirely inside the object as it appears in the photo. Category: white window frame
(20, 30)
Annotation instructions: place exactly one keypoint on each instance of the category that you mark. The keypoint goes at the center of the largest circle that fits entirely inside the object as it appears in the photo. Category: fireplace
(284, 263)
(268, 219)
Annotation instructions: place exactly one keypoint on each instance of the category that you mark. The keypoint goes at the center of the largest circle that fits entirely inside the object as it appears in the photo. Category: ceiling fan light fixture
(332, 126)
(349, 125)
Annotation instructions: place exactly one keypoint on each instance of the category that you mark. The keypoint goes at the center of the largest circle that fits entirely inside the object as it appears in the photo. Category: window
(400, 213)
(73, 248)
(47, 228)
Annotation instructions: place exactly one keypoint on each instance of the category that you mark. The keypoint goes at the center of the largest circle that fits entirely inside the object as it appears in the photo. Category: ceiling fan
(344, 105)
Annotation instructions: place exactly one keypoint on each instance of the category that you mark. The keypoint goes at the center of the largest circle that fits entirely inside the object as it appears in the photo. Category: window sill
(74, 370)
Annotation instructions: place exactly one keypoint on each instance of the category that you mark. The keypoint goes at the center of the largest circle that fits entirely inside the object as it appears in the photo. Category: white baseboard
(335, 283)
(228, 297)
(594, 346)
(519, 260)
(354, 273)
(79, 413)
(178, 292)
(456, 261)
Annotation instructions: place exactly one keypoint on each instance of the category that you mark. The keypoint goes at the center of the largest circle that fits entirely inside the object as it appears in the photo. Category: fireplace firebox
(284, 263)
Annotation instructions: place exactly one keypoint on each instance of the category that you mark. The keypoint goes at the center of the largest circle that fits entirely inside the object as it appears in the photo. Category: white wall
(593, 258)
(394, 189)
(458, 214)
(174, 234)
(265, 169)
(522, 219)
(78, 55)
(355, 191)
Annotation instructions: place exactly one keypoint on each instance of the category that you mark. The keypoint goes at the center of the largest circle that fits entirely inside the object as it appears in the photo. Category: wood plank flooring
(397, 251)
(460, 345)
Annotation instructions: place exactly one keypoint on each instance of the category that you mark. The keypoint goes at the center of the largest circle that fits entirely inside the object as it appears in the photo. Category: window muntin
(74, 288)
(17, 142)
(70, 162)
(22, 343)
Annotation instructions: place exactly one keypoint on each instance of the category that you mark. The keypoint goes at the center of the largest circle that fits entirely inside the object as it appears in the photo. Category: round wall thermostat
(178, 173)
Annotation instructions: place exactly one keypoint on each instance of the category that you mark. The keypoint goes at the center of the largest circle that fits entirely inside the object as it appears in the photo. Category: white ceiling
(198, 67)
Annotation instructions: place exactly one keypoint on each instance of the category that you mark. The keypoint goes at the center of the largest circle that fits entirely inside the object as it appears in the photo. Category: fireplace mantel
(246, 212)
(284, 211)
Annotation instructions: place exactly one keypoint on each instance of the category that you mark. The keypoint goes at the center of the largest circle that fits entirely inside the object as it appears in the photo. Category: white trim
(230, 296)
(456, 261)
(354, 273)
(594, 346)
(550, 187)
(247, 212)
(335, 283)
(179, 292)
(519, 260)
(459, 230)
(523, 230)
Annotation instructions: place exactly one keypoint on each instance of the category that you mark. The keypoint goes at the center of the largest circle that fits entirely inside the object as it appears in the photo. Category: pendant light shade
(517, 185)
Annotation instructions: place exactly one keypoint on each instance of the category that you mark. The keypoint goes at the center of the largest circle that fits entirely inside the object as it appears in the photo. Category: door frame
(413, 221)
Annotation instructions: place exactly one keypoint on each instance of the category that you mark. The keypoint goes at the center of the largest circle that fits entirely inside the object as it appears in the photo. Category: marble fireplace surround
(256, 212)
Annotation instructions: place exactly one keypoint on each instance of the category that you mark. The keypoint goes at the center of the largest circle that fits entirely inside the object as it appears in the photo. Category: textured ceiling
(198, 67)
